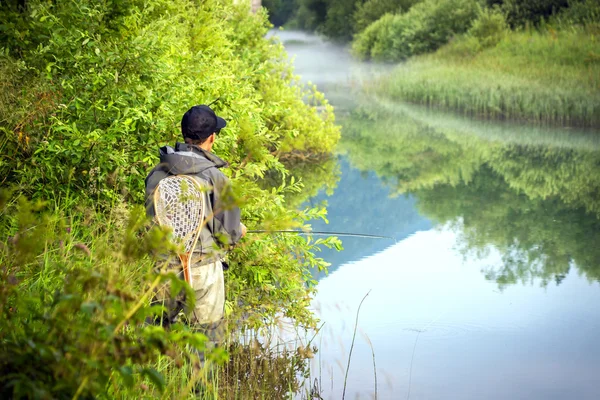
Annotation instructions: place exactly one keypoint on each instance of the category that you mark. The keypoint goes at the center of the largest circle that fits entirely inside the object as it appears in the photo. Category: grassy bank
(545, 76)
(75, 301)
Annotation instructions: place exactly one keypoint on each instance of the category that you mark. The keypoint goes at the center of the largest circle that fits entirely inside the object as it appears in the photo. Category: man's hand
(244, 229)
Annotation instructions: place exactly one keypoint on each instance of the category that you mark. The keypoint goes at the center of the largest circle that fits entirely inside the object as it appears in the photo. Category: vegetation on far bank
(546, 73)
(537, 61)
(345, 20)
(90, 90)
(549, 77)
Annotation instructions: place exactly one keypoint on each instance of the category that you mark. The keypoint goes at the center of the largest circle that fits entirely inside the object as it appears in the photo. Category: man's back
(223, 220)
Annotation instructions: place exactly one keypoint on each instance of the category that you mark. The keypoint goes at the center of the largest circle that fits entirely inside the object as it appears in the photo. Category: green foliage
(73, 316)
(86, 132)
(90, 128)
(280, 11)
(424, 28)
(329, 17)
(531, 12)
(341, 19)
(311, 14)
(489, 28)
(376, 41)
(90, 90)
(338, 22)
(579, 12)
(371, 10)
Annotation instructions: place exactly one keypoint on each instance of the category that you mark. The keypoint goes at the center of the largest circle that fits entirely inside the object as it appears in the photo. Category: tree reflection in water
(538, 204)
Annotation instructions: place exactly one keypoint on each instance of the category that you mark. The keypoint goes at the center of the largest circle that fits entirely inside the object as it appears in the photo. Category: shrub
(490, 27)
(338, 22)
(92, 89)
(580, 12)
(376, 41)
(371, 10)
(280, 11)
(531, 12)
(424, 28)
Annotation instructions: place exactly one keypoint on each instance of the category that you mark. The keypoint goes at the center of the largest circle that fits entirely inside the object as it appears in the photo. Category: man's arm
(226, 213)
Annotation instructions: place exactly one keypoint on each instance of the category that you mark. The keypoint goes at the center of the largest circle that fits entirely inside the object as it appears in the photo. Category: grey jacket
(221, 230)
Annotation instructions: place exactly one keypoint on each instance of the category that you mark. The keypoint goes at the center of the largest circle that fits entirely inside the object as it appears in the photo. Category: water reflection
(538, 205)
(361, 204)
(491, 289)
(441, 331)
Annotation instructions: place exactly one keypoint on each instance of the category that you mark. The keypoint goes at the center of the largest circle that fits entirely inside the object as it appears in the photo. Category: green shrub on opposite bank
(424, 28)
(371, 10)
(542, 76)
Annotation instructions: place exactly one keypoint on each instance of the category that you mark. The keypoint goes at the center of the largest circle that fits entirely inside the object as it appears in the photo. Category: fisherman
(223, 229)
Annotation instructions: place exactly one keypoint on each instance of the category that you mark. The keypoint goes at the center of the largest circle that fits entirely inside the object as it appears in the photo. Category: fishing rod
(322, 233)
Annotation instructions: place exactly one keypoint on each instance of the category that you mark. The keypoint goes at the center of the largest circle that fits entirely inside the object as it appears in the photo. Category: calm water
(490, 289)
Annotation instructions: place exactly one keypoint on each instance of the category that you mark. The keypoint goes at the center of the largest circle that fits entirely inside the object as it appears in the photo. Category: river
(489, 289)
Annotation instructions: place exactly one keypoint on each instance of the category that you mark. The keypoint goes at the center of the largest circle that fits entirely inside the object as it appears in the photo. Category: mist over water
(490, 290)
(328, 65)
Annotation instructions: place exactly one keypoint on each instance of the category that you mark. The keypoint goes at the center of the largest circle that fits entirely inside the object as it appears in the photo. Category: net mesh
(179, 205)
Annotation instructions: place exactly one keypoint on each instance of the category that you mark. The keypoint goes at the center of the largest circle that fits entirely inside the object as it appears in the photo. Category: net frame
(179, 204)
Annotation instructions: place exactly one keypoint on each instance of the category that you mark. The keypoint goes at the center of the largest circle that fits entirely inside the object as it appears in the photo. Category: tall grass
(74, 308)
(545, 77)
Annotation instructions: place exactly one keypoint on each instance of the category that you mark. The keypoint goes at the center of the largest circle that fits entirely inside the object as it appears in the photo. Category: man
(200, 127)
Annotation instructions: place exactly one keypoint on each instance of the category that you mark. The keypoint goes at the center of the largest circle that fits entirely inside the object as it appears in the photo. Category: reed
(543, 77)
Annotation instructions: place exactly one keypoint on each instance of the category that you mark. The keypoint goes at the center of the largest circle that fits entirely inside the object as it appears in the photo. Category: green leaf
(90, 306)
(155, 377)
(127, 375)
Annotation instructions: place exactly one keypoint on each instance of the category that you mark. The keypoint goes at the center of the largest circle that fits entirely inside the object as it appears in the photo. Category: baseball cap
(199, 122)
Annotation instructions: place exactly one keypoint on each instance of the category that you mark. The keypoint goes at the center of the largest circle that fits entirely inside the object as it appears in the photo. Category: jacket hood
(188, 159)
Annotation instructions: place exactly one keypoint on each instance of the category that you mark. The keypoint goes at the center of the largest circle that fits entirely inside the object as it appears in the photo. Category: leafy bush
(310, 14)
(338, 22)
(424, 28)
(490, 27)
(531, 12)
(377, 40)
(280, 11)
(580, 12)
(90, 90)
(371, 10)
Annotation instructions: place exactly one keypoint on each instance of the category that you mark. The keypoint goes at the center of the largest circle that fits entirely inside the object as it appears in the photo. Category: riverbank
(90, 91)
(542, 77)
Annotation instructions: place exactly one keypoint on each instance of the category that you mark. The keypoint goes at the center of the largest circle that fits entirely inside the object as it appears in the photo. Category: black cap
(199, 122)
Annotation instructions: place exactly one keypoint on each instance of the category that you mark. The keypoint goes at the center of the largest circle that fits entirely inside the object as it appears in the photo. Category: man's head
(199, 126)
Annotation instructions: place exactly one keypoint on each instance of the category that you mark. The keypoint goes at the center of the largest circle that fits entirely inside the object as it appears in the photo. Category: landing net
(179, 205)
